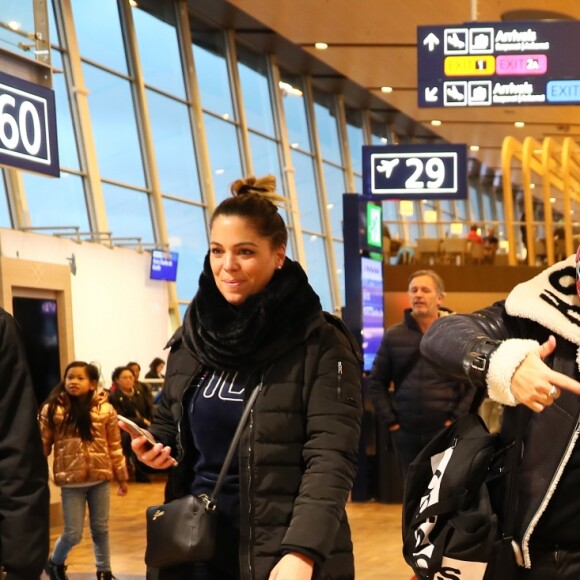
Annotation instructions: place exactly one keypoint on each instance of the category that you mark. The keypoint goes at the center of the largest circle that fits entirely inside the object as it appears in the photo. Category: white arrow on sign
(431, 94)
(431, 41)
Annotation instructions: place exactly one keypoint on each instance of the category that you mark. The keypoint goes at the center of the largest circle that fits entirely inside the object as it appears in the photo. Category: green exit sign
(374, 225)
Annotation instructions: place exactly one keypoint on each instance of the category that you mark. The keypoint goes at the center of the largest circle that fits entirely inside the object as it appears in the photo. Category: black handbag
(184, 530)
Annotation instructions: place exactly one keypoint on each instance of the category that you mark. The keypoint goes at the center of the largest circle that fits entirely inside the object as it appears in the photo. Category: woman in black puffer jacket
(256, 323)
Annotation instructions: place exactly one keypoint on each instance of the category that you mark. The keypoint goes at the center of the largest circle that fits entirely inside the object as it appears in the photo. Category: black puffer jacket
(423, 399)
(486, 348)
(24, 497)
(297, 452)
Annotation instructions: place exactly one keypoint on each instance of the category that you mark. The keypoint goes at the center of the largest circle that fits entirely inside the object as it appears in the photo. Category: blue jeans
(74, 500)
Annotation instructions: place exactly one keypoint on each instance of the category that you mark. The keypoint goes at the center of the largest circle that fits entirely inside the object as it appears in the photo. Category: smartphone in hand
(137, 431)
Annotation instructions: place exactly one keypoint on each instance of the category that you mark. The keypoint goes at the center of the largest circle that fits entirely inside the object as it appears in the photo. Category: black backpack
(451, 530)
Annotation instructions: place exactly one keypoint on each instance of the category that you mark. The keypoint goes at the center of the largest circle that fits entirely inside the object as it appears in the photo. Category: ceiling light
(220, 171)
(288, 89)
(13, 25)
(133, 3)
(321, 45)
(474, 148)
(436, 123)
(226, 116)
(406, 208)
(430, 216)
(532, 186)
(294, 145)
(519, 124)
(384, 140)
(386, 89)
(552, 200)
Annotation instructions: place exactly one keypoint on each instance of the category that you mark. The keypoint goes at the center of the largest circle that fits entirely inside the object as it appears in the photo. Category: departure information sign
(434, 171)
(499, 64)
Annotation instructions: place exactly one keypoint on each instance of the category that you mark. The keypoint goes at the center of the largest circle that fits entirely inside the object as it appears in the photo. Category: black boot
(55, 572)
(105, 575)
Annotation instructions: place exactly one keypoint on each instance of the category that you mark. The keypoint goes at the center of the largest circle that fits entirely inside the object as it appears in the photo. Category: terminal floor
(375, 527)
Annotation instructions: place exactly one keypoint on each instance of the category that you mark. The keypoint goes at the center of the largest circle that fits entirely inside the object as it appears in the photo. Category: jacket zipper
(249, 490)
(551, 489)
(339, 379)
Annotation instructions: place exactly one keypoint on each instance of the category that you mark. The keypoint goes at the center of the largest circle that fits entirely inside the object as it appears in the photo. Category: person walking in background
(256, 323)
(131, 401)
(156, 367)
(526, 351)
(473, 235)
(422, 402)
(24, 496)
(146, 387)
(81, 425)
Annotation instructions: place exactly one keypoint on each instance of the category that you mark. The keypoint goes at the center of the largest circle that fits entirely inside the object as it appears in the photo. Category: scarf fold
(243, 337)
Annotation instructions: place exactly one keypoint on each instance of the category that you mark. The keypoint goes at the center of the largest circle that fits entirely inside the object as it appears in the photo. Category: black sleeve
(24, 496)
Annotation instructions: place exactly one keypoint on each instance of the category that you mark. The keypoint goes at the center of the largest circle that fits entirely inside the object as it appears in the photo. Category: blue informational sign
(499, 64)
(28, 126)
(372, 309)
(436, 171)
(163, 265)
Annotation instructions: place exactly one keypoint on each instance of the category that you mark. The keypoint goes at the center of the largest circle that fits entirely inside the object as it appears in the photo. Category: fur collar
(244, 337)
(550, 299)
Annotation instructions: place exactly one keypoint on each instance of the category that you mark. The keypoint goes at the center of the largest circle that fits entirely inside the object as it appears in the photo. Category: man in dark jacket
(24, 497)
(526, 350)
(423, 402)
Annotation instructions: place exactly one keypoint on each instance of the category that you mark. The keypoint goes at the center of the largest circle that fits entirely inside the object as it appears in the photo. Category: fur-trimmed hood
(550, 299)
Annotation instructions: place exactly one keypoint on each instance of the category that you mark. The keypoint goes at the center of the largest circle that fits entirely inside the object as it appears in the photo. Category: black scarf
(266, 324)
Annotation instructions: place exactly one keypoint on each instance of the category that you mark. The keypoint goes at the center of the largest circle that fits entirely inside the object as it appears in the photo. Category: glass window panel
(224, 155)
(391, 216)
(212, 73)
(21, 12)
(474, 203)
(67, 147)
(5, 221)
(317, 269)
(56, 202)
(488, 213)
(358, 184)
(187, 236)
(334, 181)
(447, 209)
(307, 192)
(295, 113)
(355, 134)
(339, 259)
(99, 33)
(253, 71)
(160, 60)
(379, 133)
(128, 213)
(325, 114)
(171, 130)
(265, 157)
(461, 210)
(52, 31)
(114, 127)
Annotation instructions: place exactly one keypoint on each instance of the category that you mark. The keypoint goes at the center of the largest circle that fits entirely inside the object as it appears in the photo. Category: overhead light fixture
(133, 3)
(384, 140)
(456, 228)
(532, 186)
(320, 45)
(386, 89)
(552, 200)
(288, 89)
(430, 216)
(436, 123)
(294, 145)
(474, 148)
(519, 124)
(406, 208)
(13, 25)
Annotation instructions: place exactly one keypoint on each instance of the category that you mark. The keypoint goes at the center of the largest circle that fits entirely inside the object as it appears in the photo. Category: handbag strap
(234, 443)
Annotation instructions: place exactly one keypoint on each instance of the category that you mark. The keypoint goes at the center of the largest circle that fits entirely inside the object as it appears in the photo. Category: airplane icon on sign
(387, 166)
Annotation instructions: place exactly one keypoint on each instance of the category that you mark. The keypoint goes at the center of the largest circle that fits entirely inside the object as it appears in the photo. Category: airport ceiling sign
(28, 126)
(499, 64)
(436, 171)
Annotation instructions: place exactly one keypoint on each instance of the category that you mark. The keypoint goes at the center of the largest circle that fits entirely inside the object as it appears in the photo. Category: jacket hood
(550, 299)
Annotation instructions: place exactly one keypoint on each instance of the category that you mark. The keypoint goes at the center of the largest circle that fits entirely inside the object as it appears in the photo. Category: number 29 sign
(27, 126)
(415, 171)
